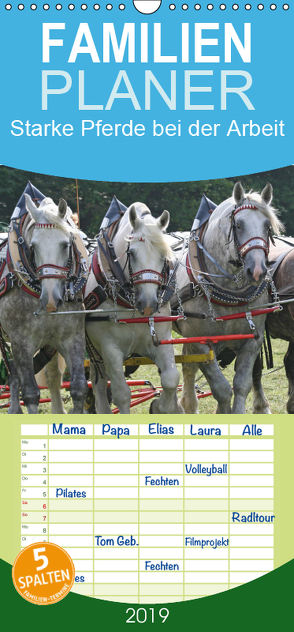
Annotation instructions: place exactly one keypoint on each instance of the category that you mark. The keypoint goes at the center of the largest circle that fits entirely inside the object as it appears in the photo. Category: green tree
(181, 199)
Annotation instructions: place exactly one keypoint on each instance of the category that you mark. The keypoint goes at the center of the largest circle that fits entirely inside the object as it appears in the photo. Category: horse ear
(30, 206)
(238, 193)
(133, 217)
(267, 193)
(62, 208)
(163, 220)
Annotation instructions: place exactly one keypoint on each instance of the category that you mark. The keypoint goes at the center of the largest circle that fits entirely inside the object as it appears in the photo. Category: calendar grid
(149, 517)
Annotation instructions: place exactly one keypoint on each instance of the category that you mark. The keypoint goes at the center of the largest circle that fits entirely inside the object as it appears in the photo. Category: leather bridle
(74, 274)
(164, 279)
(146, 275)
(254, 243)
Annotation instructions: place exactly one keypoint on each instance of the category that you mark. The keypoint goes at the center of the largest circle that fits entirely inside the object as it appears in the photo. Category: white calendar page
(151, 518)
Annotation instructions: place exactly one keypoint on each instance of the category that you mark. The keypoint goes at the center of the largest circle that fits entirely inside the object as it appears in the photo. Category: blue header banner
(114, 92)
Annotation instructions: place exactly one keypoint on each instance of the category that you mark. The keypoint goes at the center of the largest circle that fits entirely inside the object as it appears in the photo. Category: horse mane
(48, 213)
(151, 233)
(268, 210)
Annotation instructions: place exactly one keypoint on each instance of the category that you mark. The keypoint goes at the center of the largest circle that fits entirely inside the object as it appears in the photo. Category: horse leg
(260, 402)
(189, 400)
(121, 392)
(289, 366)
(73, 351)
(169, 375)
(243, 377)
(53, 379)
(15, 407)
(219, 386)
(25, 369)
(99, 385)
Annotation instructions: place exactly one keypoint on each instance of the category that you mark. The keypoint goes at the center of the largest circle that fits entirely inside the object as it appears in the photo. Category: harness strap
(268, 348)
(6, 283)
(147, 276)
(95, 358)
(201, 247)
(97, 296)
(42, 357)
(243, 207)
(4, 351)
(254, 244)
(51, 271)
(110, 255)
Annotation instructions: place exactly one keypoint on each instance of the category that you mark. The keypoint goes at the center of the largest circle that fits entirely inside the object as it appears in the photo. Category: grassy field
(275, 386)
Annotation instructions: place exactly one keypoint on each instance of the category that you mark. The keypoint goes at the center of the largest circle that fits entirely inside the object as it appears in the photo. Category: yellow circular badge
(43, 573)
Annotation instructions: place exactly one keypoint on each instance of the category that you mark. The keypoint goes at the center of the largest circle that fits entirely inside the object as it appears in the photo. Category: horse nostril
(140, 307)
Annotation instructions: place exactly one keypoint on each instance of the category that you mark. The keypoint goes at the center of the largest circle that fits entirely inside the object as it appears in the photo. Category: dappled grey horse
(237, 238)
(281, 323)
(27, 320)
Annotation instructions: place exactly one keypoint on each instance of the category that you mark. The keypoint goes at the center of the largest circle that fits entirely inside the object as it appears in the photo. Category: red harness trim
(51, 266)
(244, 206)
(3, 291)
(30, 292)
(254, 246)
(136, 281)
(2, 268)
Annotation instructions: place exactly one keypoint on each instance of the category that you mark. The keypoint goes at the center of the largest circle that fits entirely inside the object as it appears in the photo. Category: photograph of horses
(123, 302)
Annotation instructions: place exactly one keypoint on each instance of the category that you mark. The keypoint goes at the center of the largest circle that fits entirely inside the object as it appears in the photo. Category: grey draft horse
(141, 249)
(280, 324)
(237, 237)
(49, 237)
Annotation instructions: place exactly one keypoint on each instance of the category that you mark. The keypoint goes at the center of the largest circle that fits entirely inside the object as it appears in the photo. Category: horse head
(50, 240)
(148, 252)
(253, 221)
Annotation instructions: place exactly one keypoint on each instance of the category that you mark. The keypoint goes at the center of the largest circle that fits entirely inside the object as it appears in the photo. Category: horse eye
(132, 254)
(65, 245)
(238, 226)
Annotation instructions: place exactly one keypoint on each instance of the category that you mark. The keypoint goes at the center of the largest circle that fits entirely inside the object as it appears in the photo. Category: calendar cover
(146, 268)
